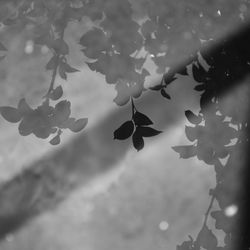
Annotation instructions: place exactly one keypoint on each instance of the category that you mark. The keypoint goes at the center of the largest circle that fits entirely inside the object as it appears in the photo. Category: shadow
(47, 182)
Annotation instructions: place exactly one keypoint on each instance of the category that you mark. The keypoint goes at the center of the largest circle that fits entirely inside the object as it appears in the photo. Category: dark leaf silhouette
(182, 71)
(168, 78)
(56, 93)
(165, 94)
(55, 141)
(78, 125)
(200, 87)
(10, 114)
(141, 119)
(157, 87)
(199, 73)
(148, 131)
(185, 151)
(192, 118)
(138, 141)
(124, 131)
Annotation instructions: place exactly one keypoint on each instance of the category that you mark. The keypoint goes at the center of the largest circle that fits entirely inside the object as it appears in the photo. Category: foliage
(118, 47)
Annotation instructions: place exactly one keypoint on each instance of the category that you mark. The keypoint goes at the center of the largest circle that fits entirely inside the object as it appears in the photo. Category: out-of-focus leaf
(42, 131)
(141, 119)
(60, 46)
(56, 93)
(23, 107)
(1, 58)
(185, 151)
(207, 239)
(165, 94)
(192, 118)
(124, 131)
(28, 123)
(2, 47)
(191, 133)
(62, 111)
(148, 131)
(68, 68)
(138, 141)
(62, 72)
(10, 114)
(51, 63)
(78, 125)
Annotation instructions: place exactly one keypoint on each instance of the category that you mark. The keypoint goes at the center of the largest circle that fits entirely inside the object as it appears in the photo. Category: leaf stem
(53, 78)
(133, 107)
(208, 210)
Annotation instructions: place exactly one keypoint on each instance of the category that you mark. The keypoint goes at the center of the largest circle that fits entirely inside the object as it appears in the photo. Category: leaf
(23, 107)
(62, 72)
(148, 131)
(51, 63)
(10, 114)
(138, 141)
(56, 93)
(182, 71)
(2, 47)
(60, 46)
(124, 131)
(141, 119)
(192, 118)
(199, 73)
(62, 111)
(200, 87)
(165, 94)
(185, 151)
(191, 133)
(168, 78)
(28, 123)
(68, 68)
(43, 131)
(55, 141)
(65, 68)
(207, 239)
(78, 125)
(157, 87)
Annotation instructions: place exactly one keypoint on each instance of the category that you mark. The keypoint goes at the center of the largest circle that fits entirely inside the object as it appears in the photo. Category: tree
(123, 36)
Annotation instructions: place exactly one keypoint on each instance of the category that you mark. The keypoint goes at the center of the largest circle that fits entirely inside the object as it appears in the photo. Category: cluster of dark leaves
(45, 120)
(60, 62)
(112, 45)
(138, 128)
(215, 128)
